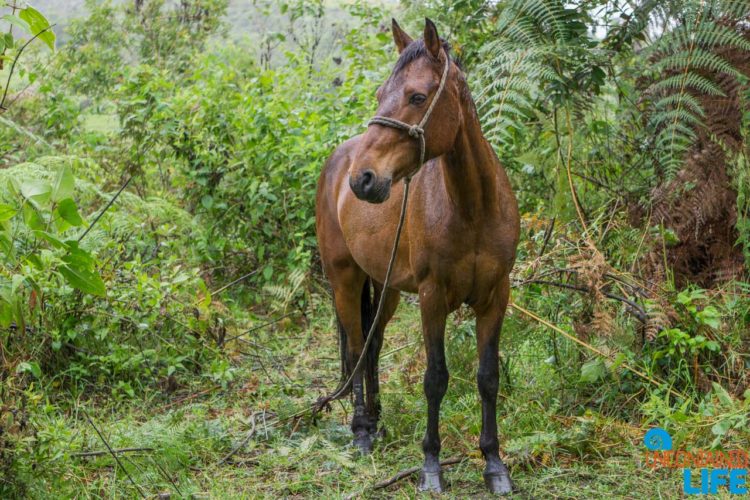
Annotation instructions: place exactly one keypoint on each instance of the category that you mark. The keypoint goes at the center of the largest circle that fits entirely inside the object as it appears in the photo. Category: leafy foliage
(157, 182)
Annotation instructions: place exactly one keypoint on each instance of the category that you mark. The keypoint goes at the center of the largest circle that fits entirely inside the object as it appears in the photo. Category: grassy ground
(553, 452)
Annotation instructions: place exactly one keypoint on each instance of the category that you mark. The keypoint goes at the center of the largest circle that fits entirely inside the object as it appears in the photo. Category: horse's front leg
(372, 380)
(489, 324)
(432, 306)
(348, 295)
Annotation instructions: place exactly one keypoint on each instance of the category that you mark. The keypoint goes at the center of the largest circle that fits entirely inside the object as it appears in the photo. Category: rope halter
(416, 131)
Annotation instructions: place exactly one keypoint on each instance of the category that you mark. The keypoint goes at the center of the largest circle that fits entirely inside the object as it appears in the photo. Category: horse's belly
(369, 230)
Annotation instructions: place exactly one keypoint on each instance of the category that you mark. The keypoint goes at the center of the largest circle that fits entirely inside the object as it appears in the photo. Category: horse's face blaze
(386, 155)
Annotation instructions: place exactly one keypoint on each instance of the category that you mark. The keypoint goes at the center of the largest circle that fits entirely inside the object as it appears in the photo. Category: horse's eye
(417, 99)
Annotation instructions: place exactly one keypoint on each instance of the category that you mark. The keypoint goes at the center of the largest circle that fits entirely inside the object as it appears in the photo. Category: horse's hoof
(498, 483)
(363, 442)
(431, 481)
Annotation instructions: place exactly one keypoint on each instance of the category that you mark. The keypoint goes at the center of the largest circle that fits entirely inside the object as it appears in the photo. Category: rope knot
(415, 131)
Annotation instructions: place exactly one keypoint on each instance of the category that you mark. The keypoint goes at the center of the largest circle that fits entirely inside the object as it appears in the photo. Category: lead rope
(417, 132)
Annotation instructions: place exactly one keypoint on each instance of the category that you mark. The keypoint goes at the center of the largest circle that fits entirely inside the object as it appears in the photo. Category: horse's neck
(470, 169)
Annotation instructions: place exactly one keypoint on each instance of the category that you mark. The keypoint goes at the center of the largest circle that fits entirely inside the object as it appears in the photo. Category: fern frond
(696, 59)
(686, 101)
(687, 81)
(678, 115)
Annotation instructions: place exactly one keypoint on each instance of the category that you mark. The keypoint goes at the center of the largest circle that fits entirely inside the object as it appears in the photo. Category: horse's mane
(417, 49)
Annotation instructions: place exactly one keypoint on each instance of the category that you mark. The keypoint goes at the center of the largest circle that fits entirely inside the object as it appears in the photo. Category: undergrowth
(160, 289)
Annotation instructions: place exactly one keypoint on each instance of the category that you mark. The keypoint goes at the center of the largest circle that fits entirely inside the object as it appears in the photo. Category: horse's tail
(368, 308)
(367, 313)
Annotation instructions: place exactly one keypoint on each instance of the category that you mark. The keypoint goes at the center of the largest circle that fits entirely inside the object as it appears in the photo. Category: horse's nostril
(368, 179)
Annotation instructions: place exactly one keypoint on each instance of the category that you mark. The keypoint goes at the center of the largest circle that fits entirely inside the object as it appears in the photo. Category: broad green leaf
(6, 314)
(83, 279)
(62, 187)
(6, 212)
(50, 239)
(78, 257)
(32, 218)
(592, 370)
(710, 316)
(16, 21)
(721, 427)
(37, 191)
(30, 367)
(69, 212)
(37, 24)
(6, 246)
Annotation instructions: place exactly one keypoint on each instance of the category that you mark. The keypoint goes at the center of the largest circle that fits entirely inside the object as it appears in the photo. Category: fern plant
(687, 64)
(541, 54)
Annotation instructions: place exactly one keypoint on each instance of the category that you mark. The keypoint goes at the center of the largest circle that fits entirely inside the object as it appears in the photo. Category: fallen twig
(634, 308)
(547, 236)
(241, 278)
(105, 452)
(114, 455)
(408, 472)
(242, 444)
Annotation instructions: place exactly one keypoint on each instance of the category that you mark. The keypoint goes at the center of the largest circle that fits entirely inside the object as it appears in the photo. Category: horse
(458, 245)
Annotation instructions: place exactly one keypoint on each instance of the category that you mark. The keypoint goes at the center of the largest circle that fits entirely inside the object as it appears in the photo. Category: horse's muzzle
(368, 186)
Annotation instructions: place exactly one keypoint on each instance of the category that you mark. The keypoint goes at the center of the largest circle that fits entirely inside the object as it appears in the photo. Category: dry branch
(242, 444)
(114, 455)
(105, 452)
(636, 309)
(408, 472)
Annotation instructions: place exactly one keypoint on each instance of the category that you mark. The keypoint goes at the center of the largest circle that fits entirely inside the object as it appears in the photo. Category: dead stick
(408, 472)
(100, 453)
(242, 444)
(635, 308)
(234, 282)
(114, 455)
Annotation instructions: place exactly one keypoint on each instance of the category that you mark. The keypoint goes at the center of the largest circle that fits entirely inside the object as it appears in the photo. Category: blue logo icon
(657, 439)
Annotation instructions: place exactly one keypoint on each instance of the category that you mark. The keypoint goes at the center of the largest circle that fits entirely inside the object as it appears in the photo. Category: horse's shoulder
(342, 155)
(335, 169)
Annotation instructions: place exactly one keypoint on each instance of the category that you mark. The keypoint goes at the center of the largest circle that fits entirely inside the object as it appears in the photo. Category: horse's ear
(399, 36)
(431, 38)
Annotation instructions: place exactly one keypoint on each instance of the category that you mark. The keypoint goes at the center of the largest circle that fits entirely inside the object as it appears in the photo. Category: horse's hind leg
(489, 324)
(372, 378)
(348, 282)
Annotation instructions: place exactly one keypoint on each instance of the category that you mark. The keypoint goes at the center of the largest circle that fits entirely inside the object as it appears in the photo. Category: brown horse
(458, 243)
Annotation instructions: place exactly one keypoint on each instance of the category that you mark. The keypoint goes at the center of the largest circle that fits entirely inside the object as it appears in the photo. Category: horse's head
(385, 154)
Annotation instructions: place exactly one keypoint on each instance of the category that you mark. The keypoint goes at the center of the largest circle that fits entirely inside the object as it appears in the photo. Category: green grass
(553, 451)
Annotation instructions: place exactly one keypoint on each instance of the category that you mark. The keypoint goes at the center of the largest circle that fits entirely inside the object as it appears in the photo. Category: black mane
(415, 50)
